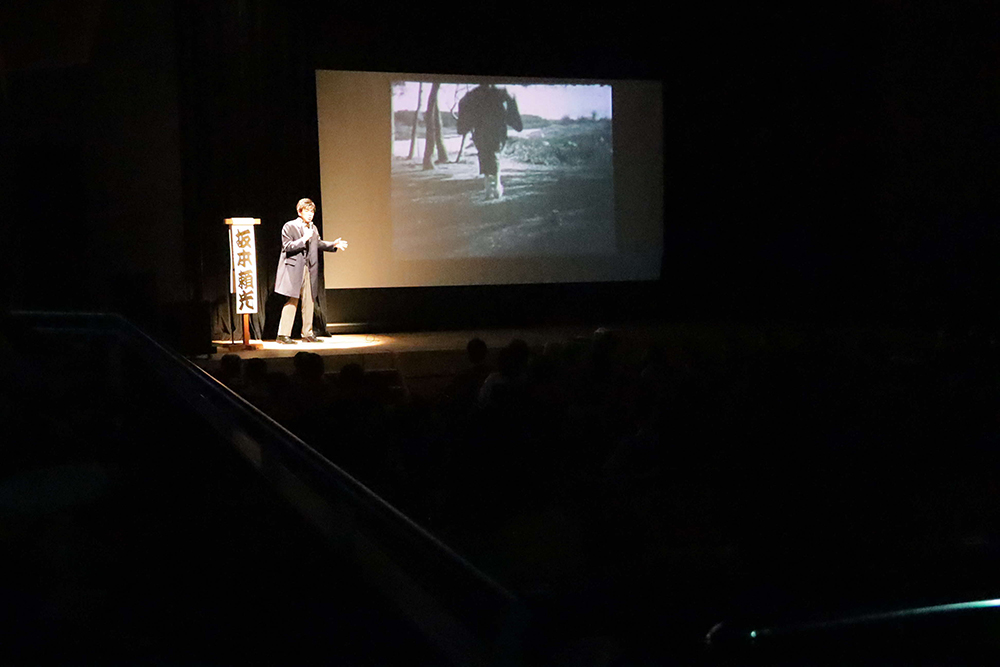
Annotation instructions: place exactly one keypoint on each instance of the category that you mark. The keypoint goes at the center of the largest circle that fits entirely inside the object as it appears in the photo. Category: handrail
(468, 615)
(743, 638)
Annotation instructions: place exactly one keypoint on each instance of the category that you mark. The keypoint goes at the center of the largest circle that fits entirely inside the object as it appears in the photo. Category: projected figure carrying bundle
(486, 111)
(298, 270)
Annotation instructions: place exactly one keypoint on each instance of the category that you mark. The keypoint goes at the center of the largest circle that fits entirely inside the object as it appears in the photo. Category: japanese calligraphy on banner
(243, 263)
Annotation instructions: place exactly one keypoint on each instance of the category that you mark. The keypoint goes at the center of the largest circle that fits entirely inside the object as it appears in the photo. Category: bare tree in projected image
(432, 131)
(416, 120)
(397, 88)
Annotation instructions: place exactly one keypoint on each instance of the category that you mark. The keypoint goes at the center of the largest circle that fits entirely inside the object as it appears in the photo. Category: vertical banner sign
(243, 262)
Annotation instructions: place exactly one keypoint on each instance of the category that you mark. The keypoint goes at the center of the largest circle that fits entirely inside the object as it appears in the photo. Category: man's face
(307, 214)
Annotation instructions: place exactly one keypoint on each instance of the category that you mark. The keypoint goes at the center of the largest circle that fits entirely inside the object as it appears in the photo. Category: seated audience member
(309, 376)
(358, 421)
(279, 397)
(230, 367)
(461, 394)
(637, 455)
(504, 387)
(547, 378)
(353, 396)
(310, 393)
(255, 381)
(350, 383)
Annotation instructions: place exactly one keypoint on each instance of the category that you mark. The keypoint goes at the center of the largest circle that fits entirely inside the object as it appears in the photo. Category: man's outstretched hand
(340, 244)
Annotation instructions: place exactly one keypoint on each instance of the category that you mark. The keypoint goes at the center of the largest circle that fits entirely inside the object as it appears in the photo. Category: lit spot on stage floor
(338, 342)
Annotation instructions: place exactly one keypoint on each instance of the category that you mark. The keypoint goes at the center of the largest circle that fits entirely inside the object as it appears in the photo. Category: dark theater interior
(687, 357)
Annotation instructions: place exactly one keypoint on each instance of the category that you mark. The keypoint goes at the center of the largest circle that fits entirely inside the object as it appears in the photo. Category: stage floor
(429, 358)
(421, 341)
(424, 357)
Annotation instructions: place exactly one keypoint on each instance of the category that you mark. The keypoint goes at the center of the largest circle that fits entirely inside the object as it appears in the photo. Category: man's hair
(305, 203)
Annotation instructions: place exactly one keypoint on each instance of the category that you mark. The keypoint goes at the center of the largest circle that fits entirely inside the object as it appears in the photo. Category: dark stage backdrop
(822, 163)
(251, 148)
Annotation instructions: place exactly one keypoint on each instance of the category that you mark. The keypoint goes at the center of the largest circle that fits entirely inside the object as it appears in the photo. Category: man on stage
(298, 270)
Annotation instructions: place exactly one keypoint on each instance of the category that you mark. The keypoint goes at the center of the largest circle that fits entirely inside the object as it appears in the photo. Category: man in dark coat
(300, 246)
(486, 111)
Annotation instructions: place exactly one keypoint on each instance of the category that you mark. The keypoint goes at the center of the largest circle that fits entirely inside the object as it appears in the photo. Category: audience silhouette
(647, 455)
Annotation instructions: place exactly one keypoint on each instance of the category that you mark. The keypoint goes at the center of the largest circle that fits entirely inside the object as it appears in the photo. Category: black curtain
(249, 143)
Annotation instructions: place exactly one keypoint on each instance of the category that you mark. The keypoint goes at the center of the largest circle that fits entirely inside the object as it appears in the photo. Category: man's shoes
(285, 340)
(310, 339)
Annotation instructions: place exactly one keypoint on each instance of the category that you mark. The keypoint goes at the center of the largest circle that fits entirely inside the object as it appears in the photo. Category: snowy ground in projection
(558, 197)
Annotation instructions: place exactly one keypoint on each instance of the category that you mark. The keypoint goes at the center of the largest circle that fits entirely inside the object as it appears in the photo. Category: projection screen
(437, 180)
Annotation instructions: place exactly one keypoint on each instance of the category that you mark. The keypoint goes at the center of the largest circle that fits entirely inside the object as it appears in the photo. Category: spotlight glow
(339, 342)
(347, 341)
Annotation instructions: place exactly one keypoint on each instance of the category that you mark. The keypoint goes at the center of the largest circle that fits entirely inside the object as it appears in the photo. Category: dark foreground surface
(767, 478)
(637, 492)
(130, 535)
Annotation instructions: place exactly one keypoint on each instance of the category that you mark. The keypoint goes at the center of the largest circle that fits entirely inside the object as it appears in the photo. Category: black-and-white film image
(501, 170)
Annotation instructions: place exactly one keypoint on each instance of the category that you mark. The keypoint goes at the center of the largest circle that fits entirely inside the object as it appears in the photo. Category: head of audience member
(352, 376)
(256, 370)
(229, 368)
(513, 359)
(605, 342)
(553, 349)
(476, 350)
(314, 367)
(299, 361)
(548, 364)
(278, 385)
(521, 351)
